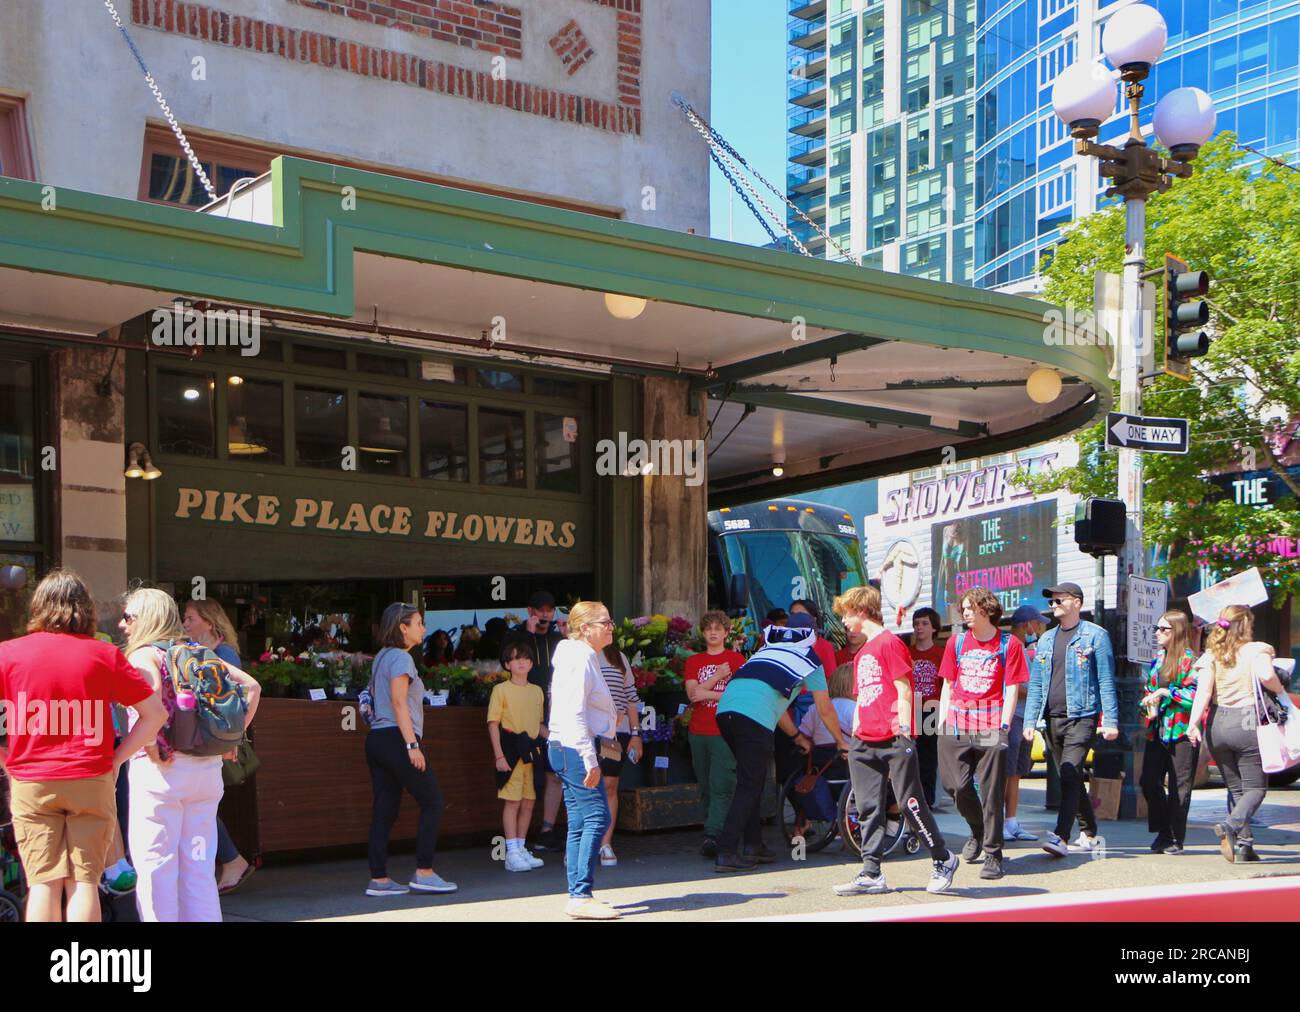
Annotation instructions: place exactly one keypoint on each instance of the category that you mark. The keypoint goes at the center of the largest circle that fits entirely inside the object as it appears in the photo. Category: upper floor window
(15, 148)
(167, 177)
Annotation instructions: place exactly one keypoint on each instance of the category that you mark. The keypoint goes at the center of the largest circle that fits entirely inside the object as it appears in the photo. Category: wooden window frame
(256, 156)
(15, 141)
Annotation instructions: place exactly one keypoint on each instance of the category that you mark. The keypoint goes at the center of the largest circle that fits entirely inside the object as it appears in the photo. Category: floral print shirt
(1174, 712)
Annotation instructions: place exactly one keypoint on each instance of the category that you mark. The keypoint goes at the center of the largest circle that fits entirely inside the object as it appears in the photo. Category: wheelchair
(817, 833)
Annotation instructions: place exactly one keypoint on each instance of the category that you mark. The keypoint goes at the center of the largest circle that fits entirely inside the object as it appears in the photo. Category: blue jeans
(588, 814)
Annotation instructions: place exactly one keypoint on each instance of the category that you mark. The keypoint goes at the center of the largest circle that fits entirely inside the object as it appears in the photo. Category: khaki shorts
(520, 785)
(64, 827)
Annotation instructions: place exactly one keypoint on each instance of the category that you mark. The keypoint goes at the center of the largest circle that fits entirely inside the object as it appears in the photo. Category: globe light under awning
(1043, 386)
(1083, 96)
(1134, 38)
(624, 307)
(1184, 120)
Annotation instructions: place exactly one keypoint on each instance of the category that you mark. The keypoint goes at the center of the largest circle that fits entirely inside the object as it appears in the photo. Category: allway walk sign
(1160, 435)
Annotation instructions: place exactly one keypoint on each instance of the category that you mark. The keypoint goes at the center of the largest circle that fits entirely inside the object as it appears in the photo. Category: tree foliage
(1240, 221)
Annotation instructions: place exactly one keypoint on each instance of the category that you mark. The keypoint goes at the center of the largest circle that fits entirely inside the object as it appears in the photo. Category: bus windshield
(783, 566)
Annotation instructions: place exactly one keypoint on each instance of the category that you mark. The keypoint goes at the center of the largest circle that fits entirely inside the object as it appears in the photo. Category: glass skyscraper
(1028, 181)
(880, 132)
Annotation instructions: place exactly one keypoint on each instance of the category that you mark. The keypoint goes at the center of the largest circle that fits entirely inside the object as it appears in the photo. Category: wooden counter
(313, 787)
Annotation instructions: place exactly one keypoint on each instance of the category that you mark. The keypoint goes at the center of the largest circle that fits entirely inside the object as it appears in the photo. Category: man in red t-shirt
(56, 684)
(883, 753)
(926, 657)
(706, 677)
(981, 669)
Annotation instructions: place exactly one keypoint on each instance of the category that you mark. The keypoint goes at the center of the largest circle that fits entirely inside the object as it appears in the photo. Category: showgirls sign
(957, 492)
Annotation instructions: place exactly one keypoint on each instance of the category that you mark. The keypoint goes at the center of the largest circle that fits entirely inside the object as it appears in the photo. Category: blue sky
(748, 105)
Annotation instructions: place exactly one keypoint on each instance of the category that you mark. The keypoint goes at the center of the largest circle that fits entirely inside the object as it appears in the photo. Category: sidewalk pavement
(662, 877)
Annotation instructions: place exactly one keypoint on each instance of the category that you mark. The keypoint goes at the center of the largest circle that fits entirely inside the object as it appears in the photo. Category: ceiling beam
(799, 353)
(783, 400)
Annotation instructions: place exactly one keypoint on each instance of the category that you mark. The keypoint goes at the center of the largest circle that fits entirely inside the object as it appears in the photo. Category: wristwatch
(1006, 727)
(411, 746)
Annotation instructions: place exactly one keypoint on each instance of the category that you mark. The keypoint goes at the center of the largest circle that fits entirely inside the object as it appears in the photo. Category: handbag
(813, 794)
(1278, 749)
(245, 764)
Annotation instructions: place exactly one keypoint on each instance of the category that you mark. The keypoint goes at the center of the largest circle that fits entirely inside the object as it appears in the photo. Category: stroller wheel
(11, 911)
(913, 843)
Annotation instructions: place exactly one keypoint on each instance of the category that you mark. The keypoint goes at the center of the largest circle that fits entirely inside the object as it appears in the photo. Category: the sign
(1147, 601)
(1012, 552)
(1245, 588)
(570, 429)
(900, 575)
(962, 491)
(316, 695)
(1158, 435)
(17, 513)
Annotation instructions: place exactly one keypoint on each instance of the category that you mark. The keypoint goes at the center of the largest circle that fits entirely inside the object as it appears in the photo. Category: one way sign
(1131, 432)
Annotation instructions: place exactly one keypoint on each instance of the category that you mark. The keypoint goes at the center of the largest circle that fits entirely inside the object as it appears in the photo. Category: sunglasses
(602, 621)
(1164, 628)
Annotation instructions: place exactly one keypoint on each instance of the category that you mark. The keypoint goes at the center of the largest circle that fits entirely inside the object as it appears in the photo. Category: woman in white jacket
(582, 712)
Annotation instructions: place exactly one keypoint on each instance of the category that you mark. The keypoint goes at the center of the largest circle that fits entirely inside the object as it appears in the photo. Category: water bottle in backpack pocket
(211, 711)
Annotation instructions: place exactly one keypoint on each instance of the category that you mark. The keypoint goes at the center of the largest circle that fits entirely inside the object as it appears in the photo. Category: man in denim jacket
(1071, 680)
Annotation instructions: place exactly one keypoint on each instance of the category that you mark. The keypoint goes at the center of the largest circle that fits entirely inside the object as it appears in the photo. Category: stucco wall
(88, 103)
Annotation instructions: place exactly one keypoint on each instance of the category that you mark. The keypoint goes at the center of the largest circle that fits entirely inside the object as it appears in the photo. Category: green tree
(1241, 223)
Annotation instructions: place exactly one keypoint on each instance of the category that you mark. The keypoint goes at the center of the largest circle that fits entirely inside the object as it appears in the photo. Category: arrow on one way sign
(1158, 435)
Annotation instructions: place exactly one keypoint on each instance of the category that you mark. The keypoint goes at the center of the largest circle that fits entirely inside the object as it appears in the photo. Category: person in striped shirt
(1167, 706)
(622, 688)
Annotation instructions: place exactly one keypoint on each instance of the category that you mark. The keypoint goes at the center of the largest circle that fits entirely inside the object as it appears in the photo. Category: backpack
(210, 709)
(1003, 639)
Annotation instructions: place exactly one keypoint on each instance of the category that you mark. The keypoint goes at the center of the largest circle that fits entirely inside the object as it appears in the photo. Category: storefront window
(384, 365)
(185, 413)
(17, 466)
(324, 358)
(320, 419)
(382, 428)
(501, 447)
(255, 413)
(500, 379)
(557, 452)
(444, 441)
(545, 386)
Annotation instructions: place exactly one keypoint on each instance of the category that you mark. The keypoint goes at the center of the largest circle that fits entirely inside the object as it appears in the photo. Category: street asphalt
(662, 877)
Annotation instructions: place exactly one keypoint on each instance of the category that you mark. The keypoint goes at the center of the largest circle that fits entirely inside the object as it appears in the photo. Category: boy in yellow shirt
(514, 721)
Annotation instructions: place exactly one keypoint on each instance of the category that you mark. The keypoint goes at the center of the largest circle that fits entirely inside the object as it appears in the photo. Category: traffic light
(1186, 313)
(1100, 526)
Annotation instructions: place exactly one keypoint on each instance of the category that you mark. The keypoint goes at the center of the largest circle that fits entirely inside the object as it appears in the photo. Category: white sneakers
(589, 908)
(1055, 846)
(1013, 830)
(941, 876)
(521, 860)
(608, 859)
(1085, 844)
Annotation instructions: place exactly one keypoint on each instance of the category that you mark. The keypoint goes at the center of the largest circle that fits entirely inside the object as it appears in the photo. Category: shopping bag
(1277, 751)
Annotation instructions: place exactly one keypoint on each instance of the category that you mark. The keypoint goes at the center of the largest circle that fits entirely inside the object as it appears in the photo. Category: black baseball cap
(1073, 589)
(541, 599)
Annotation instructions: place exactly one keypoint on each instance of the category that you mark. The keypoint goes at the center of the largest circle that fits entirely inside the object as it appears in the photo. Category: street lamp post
(1084, 96)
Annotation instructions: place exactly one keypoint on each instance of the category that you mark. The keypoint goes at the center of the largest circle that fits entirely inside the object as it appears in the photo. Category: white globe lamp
(1084, 96)
(1184, 120)
(1043, 386)
(1133, 39)
(624, 307)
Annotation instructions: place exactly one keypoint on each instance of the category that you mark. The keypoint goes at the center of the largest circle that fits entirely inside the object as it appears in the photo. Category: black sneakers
(549, 839)
(972, 851)
(992, 867)
(1245, 853)
(733, 862)
(709, 848)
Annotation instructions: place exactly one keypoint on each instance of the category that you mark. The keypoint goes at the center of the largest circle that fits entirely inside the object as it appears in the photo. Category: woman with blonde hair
(1170, 754)
(1228, 674)
(172, 828)
(583, 723)
(207, 624)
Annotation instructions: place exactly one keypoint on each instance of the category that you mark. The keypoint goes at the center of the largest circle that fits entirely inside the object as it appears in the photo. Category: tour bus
(767, 554)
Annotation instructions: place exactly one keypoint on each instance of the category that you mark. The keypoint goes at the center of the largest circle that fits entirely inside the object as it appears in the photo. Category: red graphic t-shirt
(879, 664)
(979, 679)
(703, 668)
(925, 672)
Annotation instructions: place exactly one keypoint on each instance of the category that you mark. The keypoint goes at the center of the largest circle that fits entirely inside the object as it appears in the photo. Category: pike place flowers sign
(320, 515)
